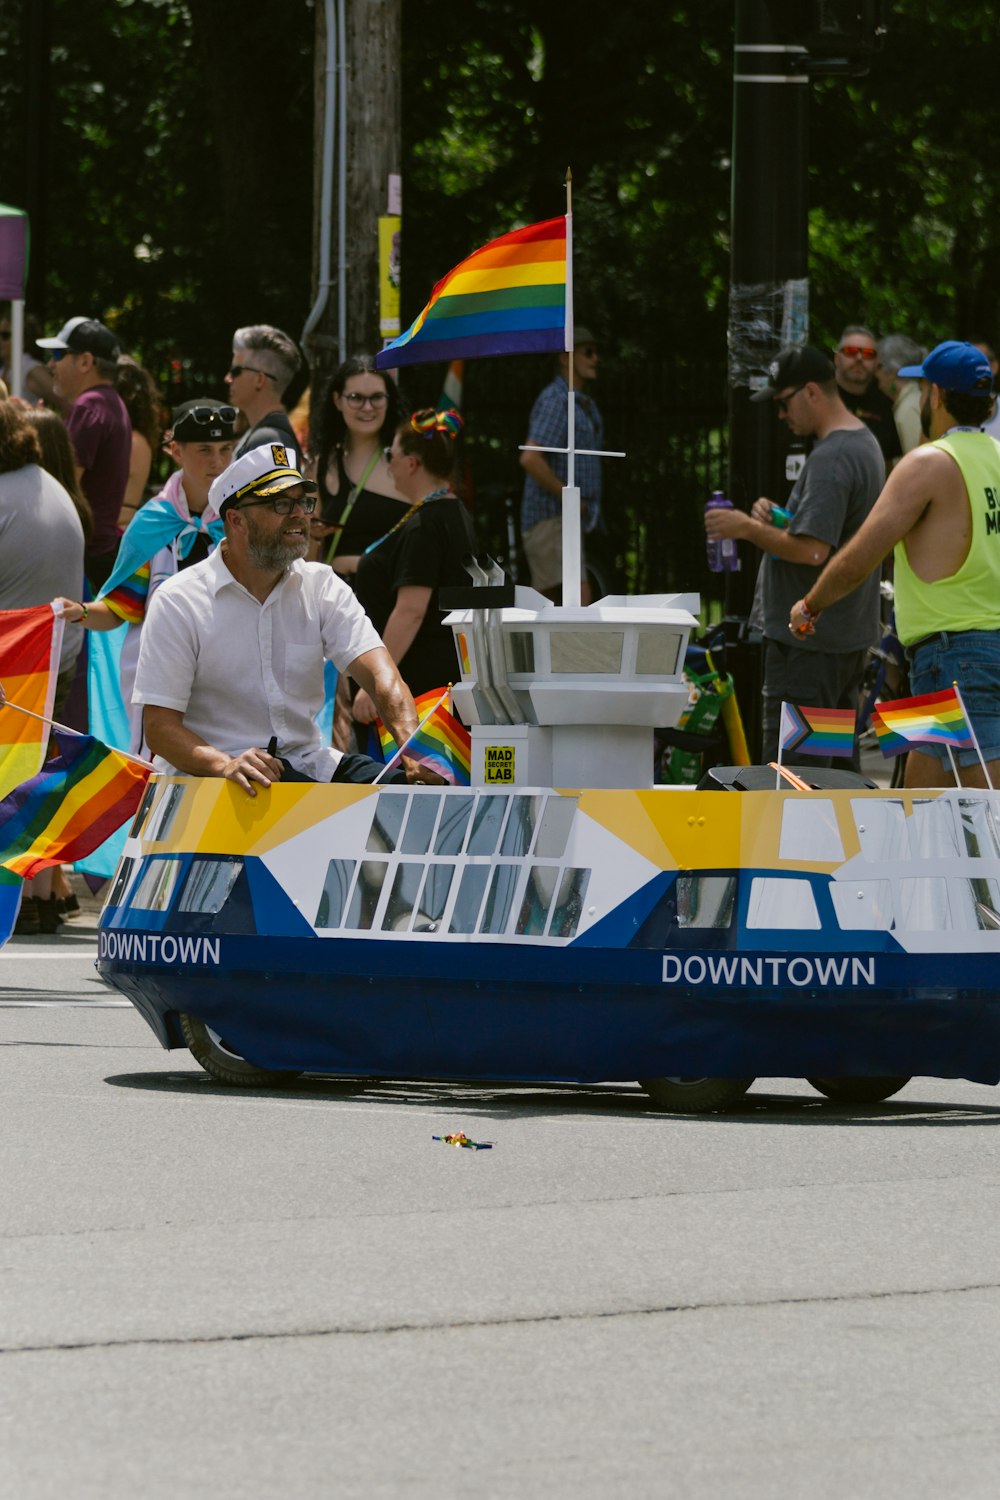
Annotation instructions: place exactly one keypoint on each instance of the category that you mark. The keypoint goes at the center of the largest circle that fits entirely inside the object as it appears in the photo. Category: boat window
(553, 831)
(538, 893)
(975, 904)
(208, 884)
(520, 651)
(388, 820)
(339, 874)
(979, 827)
(371, 878)
(469, 899)
(148, 798)
(656, 653)
(569, 903)
(521, 824)
(809, 830)
(862, 905)
(705, 900)
(402, 896)
(487, 823)
(923, 904)
(586, 652)
(782, 902)
(169, 807)
(882, 831)
(156, 885)
(455, 815)
(501, 895)
(433, 898)
(122, 879)
(933, 830)
(420, 824)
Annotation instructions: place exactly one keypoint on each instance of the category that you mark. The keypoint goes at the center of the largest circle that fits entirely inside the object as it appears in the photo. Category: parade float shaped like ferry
(562, 918)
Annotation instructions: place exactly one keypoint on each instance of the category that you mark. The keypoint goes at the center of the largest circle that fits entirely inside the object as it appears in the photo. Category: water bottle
(722, 554)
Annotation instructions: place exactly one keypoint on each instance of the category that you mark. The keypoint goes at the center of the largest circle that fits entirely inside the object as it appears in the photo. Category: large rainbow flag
(507, 298)
(817, 731)
(81, 796)
(930, 718)
(30, 643)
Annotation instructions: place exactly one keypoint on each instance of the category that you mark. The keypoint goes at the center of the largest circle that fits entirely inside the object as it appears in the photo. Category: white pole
(16, 371)
(975, 741)
(572, 558)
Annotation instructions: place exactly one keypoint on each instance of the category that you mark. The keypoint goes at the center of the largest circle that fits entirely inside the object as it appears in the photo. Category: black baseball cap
(202, 420)
(796, 365)
(84, 336)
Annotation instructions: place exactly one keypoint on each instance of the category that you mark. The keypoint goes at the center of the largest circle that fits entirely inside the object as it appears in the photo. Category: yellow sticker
(499, 764)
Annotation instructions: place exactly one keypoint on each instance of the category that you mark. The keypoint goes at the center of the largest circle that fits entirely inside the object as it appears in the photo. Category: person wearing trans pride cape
(172, 531)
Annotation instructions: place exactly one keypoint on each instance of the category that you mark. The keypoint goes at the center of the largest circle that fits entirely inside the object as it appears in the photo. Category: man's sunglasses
(235, 370)
(858, 351)
(588, 351)
(55, 355)
(283, 506)
(781, 402)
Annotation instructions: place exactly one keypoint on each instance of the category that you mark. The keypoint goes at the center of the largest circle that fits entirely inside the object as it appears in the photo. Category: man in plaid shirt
(541, 502)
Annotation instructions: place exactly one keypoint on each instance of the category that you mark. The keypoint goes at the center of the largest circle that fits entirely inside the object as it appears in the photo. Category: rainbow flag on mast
(510, 297)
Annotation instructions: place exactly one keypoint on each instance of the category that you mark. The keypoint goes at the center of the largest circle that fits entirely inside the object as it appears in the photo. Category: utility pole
(775, 55)
(358, 153)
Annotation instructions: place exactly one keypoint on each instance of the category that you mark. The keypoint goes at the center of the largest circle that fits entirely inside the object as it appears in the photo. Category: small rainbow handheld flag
(30, 642)
(817, 731)
(81, 796)
(931, 718)
(424, 705)
(507, 298)
(439, 742)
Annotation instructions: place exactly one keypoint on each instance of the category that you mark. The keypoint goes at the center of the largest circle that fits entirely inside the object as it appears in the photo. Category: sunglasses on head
(206, 415)
(282, 505)
(858, 351)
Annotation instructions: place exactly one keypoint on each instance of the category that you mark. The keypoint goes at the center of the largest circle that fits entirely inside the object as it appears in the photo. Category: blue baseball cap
(954, 367)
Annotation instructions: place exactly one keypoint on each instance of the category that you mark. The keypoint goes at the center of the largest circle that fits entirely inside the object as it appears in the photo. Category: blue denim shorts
(972, 659)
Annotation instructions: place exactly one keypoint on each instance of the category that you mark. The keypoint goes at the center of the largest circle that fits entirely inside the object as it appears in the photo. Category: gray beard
(273, 555)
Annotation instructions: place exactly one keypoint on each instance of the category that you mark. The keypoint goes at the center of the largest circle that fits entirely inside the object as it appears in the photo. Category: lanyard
(331, 551)
(427, 500)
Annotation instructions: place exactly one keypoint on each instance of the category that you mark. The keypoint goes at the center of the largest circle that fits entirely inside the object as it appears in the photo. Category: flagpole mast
(571, 544)
(975, 741)
(5, 702)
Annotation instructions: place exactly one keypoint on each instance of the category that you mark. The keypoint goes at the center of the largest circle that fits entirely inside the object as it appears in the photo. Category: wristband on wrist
(808, 613)
(86, 612)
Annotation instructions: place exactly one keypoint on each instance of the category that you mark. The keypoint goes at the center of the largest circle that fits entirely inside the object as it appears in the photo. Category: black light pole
(769, 291)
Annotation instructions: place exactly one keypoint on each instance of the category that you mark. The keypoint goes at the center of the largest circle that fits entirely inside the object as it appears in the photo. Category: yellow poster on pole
(388, 274)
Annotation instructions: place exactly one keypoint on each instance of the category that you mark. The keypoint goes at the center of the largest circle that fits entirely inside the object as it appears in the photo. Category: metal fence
(669, 417)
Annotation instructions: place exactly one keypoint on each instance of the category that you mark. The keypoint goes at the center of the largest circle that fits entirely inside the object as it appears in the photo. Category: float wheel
(695, 1096)
(858, 1090)
(217, 1058)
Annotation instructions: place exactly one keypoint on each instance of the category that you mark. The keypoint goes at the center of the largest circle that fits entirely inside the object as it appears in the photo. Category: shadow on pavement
(497, 1101)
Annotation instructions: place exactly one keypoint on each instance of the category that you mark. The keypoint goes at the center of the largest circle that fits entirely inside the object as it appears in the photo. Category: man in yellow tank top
(940, 510)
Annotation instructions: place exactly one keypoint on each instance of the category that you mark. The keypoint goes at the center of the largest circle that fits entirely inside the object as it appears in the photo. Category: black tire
(695, 1096)
(217, 1058)
(858, 1090)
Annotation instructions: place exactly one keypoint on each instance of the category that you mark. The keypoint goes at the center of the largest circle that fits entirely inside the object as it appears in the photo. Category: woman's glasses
(356, 400)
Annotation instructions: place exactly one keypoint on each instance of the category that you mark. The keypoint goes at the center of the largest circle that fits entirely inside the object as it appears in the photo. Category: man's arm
(167, 735)
(377, 673)
(541, 472)
(756, 529)
(897, 510)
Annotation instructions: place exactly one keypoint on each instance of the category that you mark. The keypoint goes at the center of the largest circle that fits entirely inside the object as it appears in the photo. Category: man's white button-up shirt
(240, 671)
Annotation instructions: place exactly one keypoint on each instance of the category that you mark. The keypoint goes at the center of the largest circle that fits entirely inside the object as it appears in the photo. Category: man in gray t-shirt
(840, 483)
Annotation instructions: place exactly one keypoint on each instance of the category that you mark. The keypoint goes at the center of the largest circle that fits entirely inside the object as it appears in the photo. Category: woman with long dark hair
(357, 416)
(402, 571)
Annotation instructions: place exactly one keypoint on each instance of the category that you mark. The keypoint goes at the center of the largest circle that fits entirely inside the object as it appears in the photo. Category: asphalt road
(209, 1293)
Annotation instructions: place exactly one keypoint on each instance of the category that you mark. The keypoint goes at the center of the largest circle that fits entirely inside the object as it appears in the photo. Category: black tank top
(371, 516)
